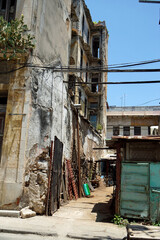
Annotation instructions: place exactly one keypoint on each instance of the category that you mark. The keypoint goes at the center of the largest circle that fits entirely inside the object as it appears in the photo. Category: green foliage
(14, 37)
(118, 220)
(156, 224)
(97, 22)
(99, 126)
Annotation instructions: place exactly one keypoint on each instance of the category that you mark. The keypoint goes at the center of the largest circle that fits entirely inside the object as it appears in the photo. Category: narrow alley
(85, 218)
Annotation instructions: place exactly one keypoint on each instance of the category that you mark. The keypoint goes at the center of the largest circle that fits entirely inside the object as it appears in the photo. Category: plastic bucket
(86, 189)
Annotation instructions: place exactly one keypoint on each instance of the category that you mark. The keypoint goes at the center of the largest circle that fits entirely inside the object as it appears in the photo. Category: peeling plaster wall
(12, 158)
(49, 101)
(53, 32)
(43, 101)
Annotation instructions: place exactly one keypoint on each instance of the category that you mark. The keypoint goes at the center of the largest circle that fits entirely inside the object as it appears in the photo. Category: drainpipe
(79, 160)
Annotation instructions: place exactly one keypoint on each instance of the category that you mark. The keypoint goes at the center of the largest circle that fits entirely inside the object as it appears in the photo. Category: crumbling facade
(38, 103)
(89, 50)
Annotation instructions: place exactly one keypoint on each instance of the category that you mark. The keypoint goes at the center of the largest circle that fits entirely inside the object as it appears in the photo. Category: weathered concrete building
(36, 105)
(89, 48)
(132, 121)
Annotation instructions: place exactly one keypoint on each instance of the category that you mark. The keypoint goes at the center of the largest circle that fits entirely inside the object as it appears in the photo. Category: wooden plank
(72, 179)
(64, 190)
(56, 175)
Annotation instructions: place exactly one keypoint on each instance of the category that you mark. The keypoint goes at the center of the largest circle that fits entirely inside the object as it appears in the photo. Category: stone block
(27, 213)
(42, 165)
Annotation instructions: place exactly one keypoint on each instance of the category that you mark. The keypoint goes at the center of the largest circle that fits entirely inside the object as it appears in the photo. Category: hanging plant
(14, 38)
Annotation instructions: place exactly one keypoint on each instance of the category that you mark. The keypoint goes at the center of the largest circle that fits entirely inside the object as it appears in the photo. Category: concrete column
(144, 131)
(132, 130)
(121, 130)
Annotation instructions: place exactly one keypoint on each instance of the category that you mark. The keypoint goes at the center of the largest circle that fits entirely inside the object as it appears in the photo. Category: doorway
(140, 191)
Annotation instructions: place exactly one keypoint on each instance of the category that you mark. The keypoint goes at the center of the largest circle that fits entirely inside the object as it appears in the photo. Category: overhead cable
(111, 83)
(150, 101)
(119, 65)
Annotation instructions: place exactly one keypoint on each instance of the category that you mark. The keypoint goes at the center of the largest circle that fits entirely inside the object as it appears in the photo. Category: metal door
(155, 192)
(134, 200)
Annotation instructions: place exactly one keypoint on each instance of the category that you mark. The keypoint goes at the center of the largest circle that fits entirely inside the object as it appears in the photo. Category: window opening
(126, 131)
(81, 61)
(3, 100)
(137, 130)
(85, 107)
(115, 131)
(96, 50)
(87, 73)
(71, 87)
(93, 105)
(94, 87)
(93, 120)
(80, 94)
(3, 4)
(154, 130)
(8, 9)
(12, 3)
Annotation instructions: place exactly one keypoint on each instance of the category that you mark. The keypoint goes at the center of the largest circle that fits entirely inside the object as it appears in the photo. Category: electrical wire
(13, 70)
(150, 101)
(81, 70)
(136, 64)
(112, 83)
(121, 65)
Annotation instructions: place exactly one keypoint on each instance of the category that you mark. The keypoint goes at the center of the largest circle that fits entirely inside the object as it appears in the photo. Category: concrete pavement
(76, 220)
(61, 228)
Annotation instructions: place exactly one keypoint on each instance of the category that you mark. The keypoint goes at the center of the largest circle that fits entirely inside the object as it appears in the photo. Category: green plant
(99, 126)
(156, 224)
(14, 38)
(118, 220)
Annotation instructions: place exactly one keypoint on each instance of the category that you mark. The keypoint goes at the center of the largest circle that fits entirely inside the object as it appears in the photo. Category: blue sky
(134, 36)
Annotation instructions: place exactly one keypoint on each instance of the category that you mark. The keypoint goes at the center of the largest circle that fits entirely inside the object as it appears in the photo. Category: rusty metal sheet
(155, 191)
(134, 199)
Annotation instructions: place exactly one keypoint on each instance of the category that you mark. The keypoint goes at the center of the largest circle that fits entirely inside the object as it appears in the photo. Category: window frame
(136, 129)
(126, 129)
